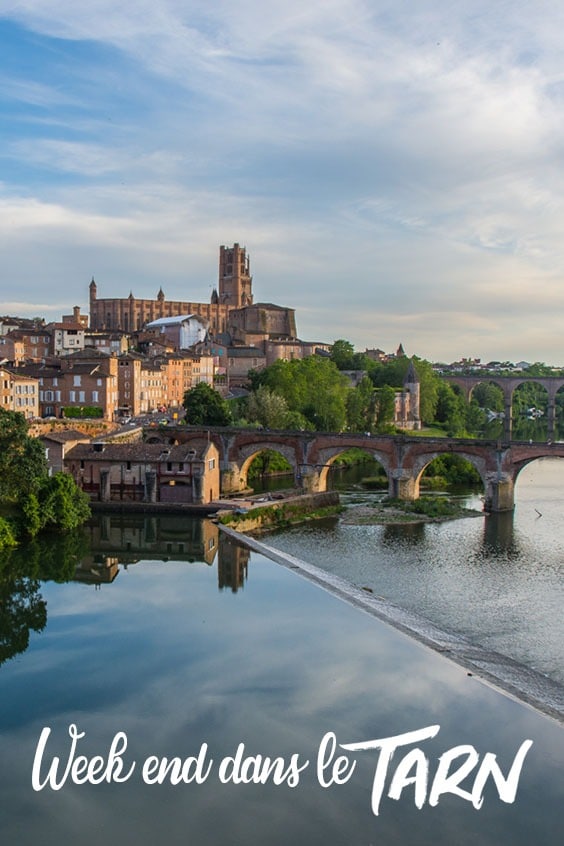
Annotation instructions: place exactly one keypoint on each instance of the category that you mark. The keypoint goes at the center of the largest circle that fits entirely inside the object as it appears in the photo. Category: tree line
(315, 394)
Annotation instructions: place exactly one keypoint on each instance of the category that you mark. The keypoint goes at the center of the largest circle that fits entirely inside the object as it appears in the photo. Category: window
(211, 463)
(76, 381)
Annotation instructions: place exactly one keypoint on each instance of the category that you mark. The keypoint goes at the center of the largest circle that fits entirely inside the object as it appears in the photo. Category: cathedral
(130, 314)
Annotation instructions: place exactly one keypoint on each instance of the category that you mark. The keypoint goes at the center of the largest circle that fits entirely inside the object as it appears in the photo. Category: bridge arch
(531, 404)
(519, 466)
(327, 457)
(249, 452)
(508, 384)
(469, 390)
(423, 460)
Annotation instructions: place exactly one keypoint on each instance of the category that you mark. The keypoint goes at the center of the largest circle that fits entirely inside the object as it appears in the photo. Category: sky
(395, 169)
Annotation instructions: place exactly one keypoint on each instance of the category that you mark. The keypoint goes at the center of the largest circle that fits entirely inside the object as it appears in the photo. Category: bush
(63, 505)
(84, 411)
(7, 536)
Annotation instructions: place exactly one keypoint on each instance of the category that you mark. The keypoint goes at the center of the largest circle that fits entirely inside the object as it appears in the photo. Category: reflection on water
(22, 569)
(163, 654)
(95, 555)
(498, 579)
(125, 540)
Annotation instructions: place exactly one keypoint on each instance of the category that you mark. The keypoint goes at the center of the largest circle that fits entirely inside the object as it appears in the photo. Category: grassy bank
(426, 509)
(284, 514)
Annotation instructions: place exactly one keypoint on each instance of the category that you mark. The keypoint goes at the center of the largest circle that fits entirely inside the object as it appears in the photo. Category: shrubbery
(31, 500)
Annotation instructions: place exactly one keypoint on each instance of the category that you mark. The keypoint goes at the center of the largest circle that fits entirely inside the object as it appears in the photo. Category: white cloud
(393, 160)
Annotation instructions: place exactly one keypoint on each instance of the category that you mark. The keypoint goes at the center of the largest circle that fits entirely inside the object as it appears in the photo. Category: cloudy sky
(395, 169)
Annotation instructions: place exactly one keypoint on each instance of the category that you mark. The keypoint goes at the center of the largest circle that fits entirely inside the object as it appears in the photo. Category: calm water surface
(498, 579)
(169, 632)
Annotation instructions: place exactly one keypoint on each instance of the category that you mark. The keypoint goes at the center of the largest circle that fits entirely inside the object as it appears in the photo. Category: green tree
(296, 422)
(40, 500)
(206, 407)
(31, 519)
(361, 406)
(312, 386)
(539, 368)
(62, 505)
(475, 418)
(488, 396)
(385, 407)
(268, 408)
(451, 410)
(22, 459)
(342, 354)
(7, 536)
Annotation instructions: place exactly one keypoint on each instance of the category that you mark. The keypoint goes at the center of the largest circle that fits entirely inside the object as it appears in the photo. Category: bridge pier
(500, 493)
(308, 478)
(508, 421)
(403, 485)
(551, 418)
(231, 478)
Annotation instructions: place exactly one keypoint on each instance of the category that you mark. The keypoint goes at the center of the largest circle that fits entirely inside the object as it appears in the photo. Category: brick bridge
(403, 457)
(551, 384)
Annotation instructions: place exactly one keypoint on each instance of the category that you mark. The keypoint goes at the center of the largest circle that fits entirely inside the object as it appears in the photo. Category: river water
(497, 579)
(173, 640)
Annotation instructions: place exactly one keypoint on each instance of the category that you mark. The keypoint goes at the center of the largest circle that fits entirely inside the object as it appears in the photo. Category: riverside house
(146, 472)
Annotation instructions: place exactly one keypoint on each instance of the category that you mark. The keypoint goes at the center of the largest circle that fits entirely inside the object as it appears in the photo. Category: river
(167, 636)
(497, 579)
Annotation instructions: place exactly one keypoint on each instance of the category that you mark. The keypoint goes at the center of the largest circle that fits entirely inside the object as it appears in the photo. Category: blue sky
(395, 169)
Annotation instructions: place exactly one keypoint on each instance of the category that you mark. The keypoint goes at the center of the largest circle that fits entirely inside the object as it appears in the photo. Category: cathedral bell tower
(235, 280)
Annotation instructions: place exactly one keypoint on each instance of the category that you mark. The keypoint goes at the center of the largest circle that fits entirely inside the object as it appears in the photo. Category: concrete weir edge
(499, 671)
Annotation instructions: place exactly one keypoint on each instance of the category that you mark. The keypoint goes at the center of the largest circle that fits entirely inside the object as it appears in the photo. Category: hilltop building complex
(130, 314)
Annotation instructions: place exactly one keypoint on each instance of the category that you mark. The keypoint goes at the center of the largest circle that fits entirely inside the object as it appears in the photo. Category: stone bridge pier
(500, 492)
(308, 477)
(403, 484)
(232, 480)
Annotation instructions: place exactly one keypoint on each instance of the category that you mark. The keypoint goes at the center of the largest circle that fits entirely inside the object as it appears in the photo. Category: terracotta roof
(139, 451)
